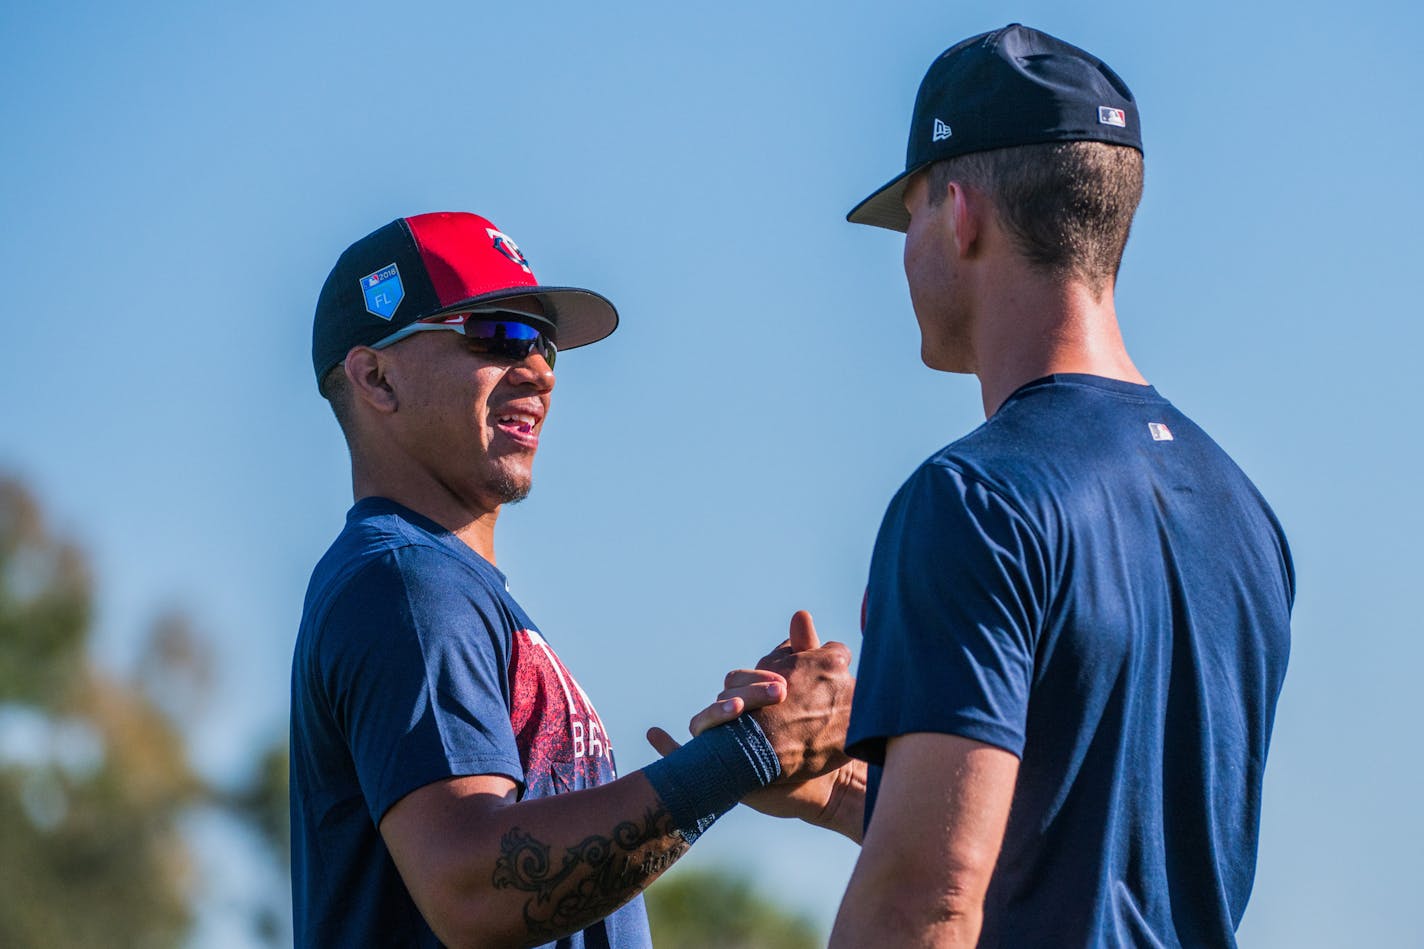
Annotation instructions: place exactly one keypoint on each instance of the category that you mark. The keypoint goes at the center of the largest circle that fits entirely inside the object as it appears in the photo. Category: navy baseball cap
(422, 266)
(1014, 86)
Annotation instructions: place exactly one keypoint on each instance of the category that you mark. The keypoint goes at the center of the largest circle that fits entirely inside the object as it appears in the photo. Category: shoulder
(1026, 441)
(370, 589)
(388, 546)
(1057, 442)
(954, 484)
(953, 518)
(365, 556)
(1046, 454)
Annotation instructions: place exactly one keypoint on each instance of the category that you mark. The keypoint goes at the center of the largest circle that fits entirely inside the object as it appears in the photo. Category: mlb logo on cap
(1107, 115)
(383, 291)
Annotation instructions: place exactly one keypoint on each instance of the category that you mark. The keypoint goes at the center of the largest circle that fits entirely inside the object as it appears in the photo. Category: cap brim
(886, 207)
(579, 316)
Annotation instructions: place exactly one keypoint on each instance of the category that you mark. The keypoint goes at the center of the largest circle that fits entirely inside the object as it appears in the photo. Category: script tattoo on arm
(594, 876)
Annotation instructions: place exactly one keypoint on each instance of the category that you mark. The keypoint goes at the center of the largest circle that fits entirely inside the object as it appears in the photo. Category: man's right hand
(800, 694)
(807, 728)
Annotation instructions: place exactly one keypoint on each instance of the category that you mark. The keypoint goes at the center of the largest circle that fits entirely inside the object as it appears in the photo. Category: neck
(469, 520)
(1035, 326)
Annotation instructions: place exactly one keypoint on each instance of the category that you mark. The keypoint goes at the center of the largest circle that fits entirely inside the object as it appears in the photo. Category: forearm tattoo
(595, 876)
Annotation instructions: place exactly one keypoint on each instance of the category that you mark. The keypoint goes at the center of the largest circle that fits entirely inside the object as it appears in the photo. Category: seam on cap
(992, 40)
(419, 251)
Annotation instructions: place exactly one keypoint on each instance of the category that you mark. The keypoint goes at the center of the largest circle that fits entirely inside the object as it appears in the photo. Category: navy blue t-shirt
(414, 664)
(1089, 582)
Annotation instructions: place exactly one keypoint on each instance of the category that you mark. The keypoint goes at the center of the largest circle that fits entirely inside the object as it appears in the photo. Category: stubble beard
(510, 488)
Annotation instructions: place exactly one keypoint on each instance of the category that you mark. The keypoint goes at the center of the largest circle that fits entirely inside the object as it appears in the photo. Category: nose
(533, 370)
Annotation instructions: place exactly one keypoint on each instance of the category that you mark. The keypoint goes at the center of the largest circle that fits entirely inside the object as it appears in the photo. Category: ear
(366, 373)
(966, 218)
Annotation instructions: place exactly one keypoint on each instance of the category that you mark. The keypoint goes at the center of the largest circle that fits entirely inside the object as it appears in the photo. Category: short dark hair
(336, 389)
(1067, 206)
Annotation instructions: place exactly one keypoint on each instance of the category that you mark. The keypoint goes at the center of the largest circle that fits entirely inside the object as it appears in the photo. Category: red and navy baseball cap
(1014, 86)
(422, 266)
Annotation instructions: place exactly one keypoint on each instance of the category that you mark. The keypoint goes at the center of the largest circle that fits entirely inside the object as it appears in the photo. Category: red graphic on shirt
(561, 740)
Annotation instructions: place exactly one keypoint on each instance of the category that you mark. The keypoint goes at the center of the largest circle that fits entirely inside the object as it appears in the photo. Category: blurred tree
(94, 775)
(713, 909)
(263, 802)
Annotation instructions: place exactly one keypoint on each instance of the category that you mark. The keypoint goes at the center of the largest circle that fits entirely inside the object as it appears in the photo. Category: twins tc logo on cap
(383, 291)
(508, 248)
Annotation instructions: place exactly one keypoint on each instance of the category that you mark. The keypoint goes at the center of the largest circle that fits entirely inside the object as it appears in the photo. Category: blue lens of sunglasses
(508, 339)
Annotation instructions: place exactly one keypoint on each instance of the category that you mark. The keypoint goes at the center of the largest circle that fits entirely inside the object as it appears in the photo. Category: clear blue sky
(178, 180)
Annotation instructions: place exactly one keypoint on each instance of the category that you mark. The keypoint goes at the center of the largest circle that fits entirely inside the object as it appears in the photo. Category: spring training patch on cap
(383, 291)
(1107, 115)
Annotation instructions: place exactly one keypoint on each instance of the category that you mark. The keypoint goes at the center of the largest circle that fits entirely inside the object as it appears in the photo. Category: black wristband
(706, 777)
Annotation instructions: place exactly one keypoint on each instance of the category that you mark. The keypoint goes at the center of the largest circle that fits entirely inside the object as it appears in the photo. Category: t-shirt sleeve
(952, 614)
(413, 663)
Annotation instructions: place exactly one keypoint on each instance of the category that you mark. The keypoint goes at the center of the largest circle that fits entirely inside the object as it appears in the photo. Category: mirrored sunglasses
(495, 332)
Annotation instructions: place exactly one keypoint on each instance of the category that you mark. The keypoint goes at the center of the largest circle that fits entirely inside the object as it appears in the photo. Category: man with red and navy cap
(437, 739)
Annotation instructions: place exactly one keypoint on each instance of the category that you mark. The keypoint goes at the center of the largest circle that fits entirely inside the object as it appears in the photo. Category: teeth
(526, 422)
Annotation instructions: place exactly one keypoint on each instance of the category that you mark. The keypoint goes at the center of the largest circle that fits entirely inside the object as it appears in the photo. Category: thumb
(664, 743)
(803, 632)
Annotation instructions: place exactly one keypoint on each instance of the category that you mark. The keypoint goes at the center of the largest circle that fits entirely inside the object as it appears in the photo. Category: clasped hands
(800, 694)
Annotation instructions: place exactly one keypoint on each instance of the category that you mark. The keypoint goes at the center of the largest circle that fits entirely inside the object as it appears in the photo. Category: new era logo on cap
(1107, 115)
(941, 131)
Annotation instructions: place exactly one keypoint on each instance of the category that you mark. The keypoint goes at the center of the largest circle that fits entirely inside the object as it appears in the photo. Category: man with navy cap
(451, 782)
(1077, 618)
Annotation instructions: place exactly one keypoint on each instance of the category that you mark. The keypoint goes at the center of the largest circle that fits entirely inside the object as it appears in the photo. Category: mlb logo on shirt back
(1160, 432)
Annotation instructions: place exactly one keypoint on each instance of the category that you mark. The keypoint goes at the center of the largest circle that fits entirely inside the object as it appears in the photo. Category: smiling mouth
(517, 422)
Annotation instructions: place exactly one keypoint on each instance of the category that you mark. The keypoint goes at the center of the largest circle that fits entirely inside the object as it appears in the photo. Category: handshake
(800, 696)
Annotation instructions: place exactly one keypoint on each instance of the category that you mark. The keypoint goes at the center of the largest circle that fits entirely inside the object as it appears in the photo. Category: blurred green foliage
(44, 606)
(263, 803)
(95, 778)
(92, 774)
(717, 909)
